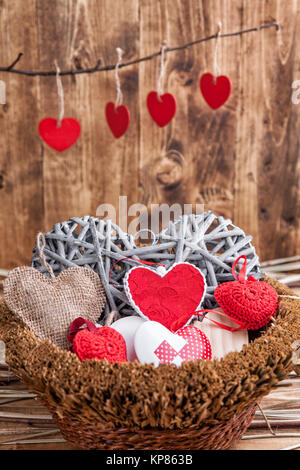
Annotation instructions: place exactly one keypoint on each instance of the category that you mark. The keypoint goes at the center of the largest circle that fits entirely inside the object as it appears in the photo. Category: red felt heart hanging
(250, 302)
(162, 109)
(215, 91)
(118, 118)
(59, 138)
(165, 297)
(96, 343)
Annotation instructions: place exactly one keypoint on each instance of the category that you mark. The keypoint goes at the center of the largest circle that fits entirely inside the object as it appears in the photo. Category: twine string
(216, 68)
(162, 70)
(119, 98)
(60, 92)
(41, 243)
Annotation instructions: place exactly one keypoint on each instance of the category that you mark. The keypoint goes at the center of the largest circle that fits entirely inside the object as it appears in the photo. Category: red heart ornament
(97, 343)
(250, 302)
(161, 110)
(59, 138)
(165, 297)
(215, 91)
(198, 345)
(155, 344)
(118, 118)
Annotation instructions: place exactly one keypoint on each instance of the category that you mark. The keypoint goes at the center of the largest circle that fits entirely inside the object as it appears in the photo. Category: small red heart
(215, 91)
(165, 298)
(252, 303)
(118, 118)
(162, 109)
(106, 343)
(59, 138)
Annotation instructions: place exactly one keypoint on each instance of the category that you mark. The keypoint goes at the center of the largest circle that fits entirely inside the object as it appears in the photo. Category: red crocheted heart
(252, 303)
(106, 343)
(165, 298)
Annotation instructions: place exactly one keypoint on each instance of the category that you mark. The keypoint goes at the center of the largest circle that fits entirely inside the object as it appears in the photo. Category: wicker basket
(200, 405)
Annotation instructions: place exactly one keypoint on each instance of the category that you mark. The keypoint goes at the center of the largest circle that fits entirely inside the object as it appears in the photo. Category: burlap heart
(48, 306)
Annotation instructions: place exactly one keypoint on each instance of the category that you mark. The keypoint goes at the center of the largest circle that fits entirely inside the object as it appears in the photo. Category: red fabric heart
(118, 118)
(164, 299)
(161, 110)
(250, 302)
(59, 138)
(215, 92)
(97, 343)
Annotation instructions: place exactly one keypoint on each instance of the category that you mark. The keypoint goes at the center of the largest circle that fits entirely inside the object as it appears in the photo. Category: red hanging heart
(164, 298)
(162, 109)
(248, 301)
(215, 91)
(59, 138)
(97, 343)
(118, 118)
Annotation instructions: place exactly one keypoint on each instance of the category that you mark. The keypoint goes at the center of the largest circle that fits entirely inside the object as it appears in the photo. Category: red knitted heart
(215, 91)
(164, 298)
(59, 138)
(248, 301)
(161, 110)
(118, 118)
(97, 343)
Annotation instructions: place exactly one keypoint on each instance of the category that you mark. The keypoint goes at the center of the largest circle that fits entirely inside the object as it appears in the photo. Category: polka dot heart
(198, 345)
(155, 344)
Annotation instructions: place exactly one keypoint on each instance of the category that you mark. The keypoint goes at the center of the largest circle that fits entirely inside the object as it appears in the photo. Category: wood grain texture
(241, 160)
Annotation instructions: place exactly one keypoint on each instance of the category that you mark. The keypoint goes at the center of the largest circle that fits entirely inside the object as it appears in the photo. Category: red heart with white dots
(156, 344)
(198, 345)
(167, 296)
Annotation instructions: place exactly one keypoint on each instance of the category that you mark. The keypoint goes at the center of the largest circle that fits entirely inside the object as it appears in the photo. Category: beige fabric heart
(48, 306)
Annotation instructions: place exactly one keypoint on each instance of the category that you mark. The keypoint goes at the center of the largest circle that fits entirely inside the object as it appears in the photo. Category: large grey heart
(48, 306)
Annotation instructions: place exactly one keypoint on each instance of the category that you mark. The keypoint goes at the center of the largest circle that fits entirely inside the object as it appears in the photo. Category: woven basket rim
(225, 386)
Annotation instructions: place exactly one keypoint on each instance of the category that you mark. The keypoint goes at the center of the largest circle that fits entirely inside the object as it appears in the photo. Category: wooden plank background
(241, 160)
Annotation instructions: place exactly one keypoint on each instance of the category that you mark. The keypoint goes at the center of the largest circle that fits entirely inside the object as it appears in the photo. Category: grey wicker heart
(209, 242)
(48, 306)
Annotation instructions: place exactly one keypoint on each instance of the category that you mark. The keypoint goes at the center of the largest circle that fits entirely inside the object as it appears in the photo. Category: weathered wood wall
(241, 160)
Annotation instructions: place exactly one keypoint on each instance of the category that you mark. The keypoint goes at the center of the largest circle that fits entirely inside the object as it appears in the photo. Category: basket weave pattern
(202, 404)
